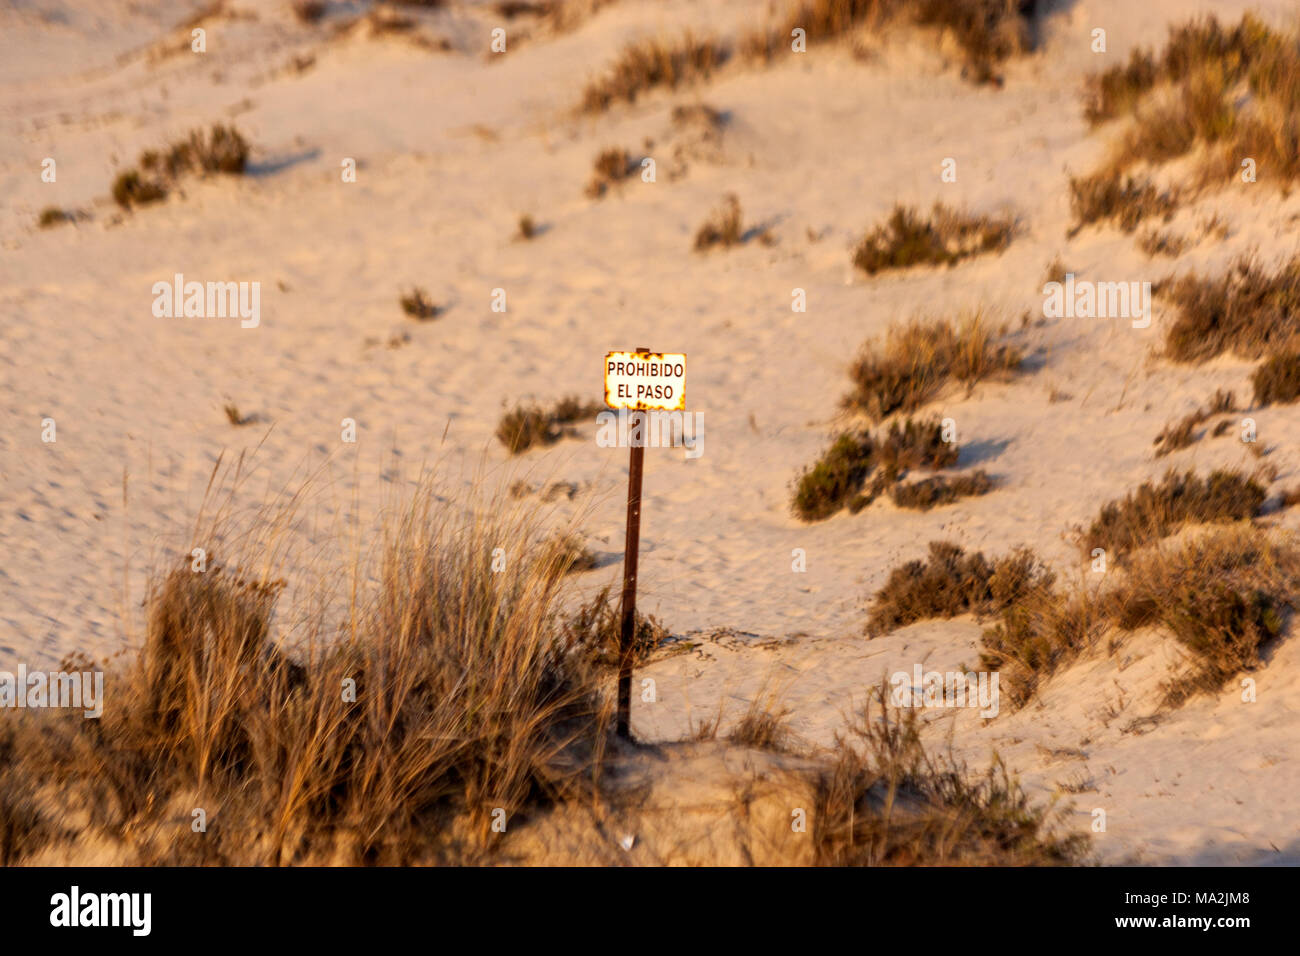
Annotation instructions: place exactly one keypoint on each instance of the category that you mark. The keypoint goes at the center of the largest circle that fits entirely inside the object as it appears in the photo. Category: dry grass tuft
(464, 701)
(594, 631)
(916, 361)
(417, 304)
(1181, 434)
(723, 228)
(886, 801)
(1277, 379)
(1155, 511)
(1126, 200)
(652, 63)
(1246, 311)
(1223, 595)
(941, 490)
(531, 425)
(907, 239)
(611, 167)
(222, 149)
(952, 582)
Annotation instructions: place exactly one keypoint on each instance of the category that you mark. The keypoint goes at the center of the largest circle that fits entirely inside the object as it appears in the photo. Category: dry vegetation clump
(571, 554)
(952, 582)
(1223, 595)
(1246, 311)
(418, 305)
(1223, 93)
(1156, 511)
(1126, 200)
(1181, 434)
(723, 228)
(651, 63)
(886, 801)
(594, 631)
(916, 360)
(388, 738)
(611, 167)
(1155, 243)
(527, 227)
(1277, 379)
(531, 424)
(220, 150)
(309, 11)
(838, 478)
(941, 490)
(54, 216)
(908, 239)
(988, 32)
(764, 725)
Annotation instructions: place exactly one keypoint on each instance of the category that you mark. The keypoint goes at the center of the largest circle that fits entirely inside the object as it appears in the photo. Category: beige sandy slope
(453, 147)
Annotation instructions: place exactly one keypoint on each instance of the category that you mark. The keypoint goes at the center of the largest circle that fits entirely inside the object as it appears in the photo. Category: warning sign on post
(645, 380)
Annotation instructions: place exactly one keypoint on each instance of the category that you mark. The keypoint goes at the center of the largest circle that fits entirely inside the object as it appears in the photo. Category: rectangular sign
(646, 380)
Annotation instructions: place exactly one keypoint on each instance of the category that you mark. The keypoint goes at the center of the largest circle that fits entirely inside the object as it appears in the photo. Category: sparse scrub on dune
(988, 32)
(908, 239)
(222, 149)
(1181, 434)
(611, 167)
(1157, 510)
(417, 304)
(464, 700)
(652, 63)
(1223, 595)
(527, 425)
(950, 582)
(1227, 92)
(918, 359)
(1156, 243)
(724, 227)
(941, 490)
(53, 216)
(839, 477)
(1277, 379)
(887, 801)
(1125, 200)
(764, 724)
(1247, 311)
(594, 631)
(309, 11)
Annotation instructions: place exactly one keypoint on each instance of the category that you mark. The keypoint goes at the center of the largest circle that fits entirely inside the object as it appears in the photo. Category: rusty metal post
(631, 551)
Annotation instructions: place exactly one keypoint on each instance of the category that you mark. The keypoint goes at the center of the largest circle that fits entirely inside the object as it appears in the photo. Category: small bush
(907, 239)
(723, 228)
(1277, 379)
(595, 631)
(1181, 434)
(838, 478)
(1124, 199)
(1155, 511)
(527, 227)
(1037, 633)
(1222, 595)
(611, 167)
(649, 64)
(220, 150)
(1246, 311)
(529, 425)
(418, 305)
(54, 216)
(916, 360)
(952, 582)
(939, 490)
(886, 801)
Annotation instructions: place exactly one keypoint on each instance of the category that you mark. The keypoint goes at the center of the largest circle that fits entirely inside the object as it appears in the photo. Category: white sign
(645, 380)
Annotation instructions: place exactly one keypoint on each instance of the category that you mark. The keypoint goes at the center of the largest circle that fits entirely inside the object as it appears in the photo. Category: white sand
(453, 147)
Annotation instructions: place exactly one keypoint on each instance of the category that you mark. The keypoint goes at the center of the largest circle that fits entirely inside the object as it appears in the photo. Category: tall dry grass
(388, 730)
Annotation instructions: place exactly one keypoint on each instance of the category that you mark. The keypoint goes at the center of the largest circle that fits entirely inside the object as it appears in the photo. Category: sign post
(638, 381)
